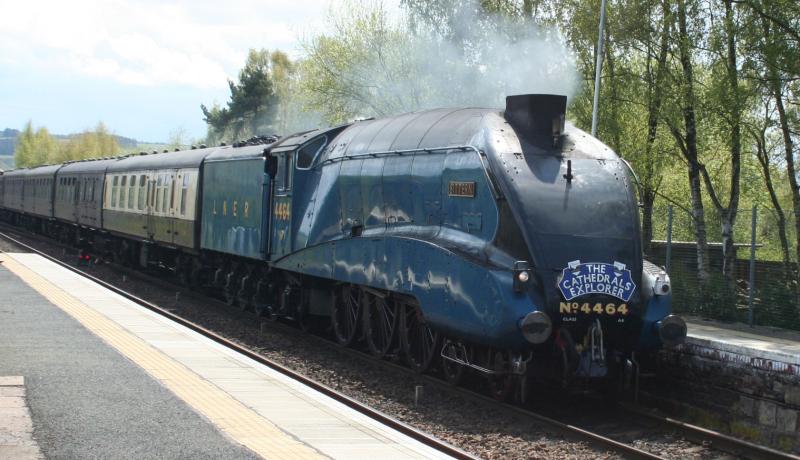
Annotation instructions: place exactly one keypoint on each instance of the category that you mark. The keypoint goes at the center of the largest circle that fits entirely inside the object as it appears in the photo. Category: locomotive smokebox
(537, 116)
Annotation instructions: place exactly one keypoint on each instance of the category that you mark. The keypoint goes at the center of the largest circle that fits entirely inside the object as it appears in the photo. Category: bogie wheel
(501, 384)
(454, 372)
(419, 342)
(346, 314)
(380, 323)
(521, 389)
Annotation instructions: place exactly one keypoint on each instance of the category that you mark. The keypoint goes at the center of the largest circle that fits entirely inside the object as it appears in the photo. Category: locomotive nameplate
(463, 189)
(580, 279)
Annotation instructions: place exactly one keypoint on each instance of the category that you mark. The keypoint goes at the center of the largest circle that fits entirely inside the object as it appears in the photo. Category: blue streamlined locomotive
(494, 241)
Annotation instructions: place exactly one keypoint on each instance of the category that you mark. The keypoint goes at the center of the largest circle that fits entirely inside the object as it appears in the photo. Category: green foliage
(343, 77)
(39, 147)
(263, 101)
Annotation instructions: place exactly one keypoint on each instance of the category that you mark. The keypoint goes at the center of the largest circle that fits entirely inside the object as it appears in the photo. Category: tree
(252, 105)
(96, 143)
(177, 138)
(34, 148)
(732, 100)
(686, 140)
(26, 146)
(765, 155)
(779, 49)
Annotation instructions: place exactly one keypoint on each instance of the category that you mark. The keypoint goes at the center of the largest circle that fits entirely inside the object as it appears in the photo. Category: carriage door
(281, 233)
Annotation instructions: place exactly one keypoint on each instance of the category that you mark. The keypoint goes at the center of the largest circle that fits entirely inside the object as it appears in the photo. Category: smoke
(414, 62)
(486, 58)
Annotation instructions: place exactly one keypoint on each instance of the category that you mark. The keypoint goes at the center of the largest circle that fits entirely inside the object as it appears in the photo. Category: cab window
(307, 153)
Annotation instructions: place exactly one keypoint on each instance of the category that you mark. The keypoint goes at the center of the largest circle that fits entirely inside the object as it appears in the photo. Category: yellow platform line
(232, 417)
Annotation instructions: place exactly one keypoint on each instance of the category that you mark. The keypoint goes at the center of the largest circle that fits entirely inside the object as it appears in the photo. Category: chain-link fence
(757, 284)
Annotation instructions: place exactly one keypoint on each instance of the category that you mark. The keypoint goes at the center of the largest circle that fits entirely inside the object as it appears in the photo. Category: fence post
(669, 238)
(752, 286)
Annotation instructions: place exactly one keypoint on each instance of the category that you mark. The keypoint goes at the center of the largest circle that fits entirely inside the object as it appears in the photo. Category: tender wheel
(419, 342)
(244, 295)
(305, 320)
(380, 323)
(346, 313)
(230, 288)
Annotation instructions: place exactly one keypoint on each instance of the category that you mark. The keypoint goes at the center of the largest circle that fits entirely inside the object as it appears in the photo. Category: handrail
(386, 153)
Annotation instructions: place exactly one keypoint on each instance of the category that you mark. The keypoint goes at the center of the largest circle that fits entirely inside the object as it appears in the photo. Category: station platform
(765, 348)
(101, 377)
(736, 379)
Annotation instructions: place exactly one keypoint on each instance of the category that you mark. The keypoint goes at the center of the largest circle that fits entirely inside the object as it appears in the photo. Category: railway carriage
(37, 195)
(154, 199)
(13, 185)
(79, 193)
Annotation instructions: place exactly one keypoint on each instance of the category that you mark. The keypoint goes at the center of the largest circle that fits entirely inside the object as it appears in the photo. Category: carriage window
(160, 192)
(171, 193)
(165, 195)
(123, 192)
(132, 192)
(114, 190)
(151, 192)
(184, 193)
(306, 155)
(140, 199)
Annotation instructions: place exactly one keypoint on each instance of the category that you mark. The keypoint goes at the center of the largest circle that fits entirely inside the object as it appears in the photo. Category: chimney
(536, 116)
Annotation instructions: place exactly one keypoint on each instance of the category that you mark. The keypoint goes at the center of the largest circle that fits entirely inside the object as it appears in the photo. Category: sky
(142, 67)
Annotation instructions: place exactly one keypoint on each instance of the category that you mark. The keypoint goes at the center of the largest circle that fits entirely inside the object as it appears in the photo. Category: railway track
(595, 434)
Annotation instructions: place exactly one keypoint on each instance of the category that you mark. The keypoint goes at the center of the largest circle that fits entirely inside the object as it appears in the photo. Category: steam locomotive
(503, 242)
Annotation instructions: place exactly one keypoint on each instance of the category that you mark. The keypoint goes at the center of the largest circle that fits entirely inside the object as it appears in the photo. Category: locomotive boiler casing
(442, 205)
